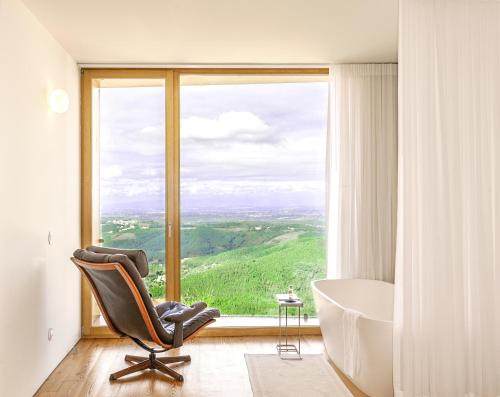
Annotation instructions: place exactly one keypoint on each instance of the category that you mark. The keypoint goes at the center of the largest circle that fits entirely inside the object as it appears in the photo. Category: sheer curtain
(362, 171)
(447, 308)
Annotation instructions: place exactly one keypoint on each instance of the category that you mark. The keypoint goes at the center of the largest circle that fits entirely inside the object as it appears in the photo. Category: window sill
(231, 326)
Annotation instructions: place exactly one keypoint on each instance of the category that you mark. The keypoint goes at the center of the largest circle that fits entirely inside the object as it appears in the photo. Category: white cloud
(237, 144)
(111, 171)
(149, 130)
(224, 187)
(299, 157)
(152, 172)
(128, 187)
(148, 141)
(244, 126)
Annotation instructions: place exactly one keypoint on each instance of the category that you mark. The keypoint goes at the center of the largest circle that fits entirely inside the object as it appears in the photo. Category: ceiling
(223, 31)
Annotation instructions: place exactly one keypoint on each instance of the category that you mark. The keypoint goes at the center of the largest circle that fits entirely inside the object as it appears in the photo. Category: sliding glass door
(252, 189)
(126, 132)
(217, 176)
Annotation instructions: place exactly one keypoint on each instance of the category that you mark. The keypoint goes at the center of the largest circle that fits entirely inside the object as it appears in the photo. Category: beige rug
(312, 376)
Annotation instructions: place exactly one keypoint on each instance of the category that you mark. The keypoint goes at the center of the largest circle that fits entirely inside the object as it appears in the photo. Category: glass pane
(252, 190)
(129, 170)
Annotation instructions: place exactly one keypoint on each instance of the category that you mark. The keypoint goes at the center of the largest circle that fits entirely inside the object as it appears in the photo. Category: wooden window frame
(171, 77)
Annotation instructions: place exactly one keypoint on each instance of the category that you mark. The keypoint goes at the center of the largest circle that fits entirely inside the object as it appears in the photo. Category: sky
(246, 146)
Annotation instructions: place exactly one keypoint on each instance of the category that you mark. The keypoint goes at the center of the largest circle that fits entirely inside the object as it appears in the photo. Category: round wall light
(59, 101)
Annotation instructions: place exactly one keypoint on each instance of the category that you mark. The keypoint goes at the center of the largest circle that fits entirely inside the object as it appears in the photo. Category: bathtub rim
(362, 315)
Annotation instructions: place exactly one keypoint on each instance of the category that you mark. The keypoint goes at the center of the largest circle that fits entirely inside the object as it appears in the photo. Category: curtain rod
(203, 65)
(222, 66)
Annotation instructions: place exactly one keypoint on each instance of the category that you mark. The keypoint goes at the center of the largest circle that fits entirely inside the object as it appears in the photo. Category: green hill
(244, 281)
(136, 234)
(236, 266)
(200, 239)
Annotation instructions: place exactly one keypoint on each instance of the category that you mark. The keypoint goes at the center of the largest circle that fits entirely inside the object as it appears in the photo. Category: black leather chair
(115, 278)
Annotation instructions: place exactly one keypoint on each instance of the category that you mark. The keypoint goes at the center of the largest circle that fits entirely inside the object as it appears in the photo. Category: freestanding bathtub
(374, 301)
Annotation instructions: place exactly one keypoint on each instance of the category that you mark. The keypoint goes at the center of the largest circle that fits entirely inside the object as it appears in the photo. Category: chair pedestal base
(151, 362)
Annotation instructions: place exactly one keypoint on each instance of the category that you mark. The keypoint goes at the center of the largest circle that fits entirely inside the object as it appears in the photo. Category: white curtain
(362, 171)
(447, 308)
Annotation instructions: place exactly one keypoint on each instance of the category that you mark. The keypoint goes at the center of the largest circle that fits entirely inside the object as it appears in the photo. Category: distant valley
(234, 261)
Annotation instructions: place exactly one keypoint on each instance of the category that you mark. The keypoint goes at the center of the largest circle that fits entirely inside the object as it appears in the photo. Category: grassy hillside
(236, 266)
(244, 281)
(196, 239)
(136, 233)
(213, 238)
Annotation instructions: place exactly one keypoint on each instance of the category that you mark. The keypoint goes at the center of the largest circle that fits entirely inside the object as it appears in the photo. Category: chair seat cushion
(193, 324)
(165, 309)
(190, 324)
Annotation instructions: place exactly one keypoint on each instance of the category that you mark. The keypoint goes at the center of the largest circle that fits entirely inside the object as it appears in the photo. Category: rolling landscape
(233, 261)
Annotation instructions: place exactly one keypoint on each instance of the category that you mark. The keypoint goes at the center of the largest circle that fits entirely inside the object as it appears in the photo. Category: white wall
(39, 191)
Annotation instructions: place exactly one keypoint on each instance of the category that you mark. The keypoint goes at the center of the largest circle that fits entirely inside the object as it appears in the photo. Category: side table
(286, 350)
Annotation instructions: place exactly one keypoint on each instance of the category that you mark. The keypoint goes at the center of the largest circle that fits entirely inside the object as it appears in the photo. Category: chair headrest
(137, 257)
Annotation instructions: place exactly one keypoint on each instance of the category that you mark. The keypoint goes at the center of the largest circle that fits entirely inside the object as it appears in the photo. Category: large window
(252, 189)
(217, 176)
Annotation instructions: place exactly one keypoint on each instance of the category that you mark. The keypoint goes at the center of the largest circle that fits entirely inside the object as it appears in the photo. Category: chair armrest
(177, 313)
(185, 313)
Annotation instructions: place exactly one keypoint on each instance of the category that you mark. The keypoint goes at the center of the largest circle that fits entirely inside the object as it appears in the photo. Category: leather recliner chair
(115, 277)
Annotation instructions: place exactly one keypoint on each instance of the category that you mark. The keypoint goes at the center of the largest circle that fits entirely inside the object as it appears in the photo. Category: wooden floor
(217, 368)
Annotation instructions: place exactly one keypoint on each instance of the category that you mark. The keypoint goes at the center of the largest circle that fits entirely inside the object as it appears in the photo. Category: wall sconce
(59, 101)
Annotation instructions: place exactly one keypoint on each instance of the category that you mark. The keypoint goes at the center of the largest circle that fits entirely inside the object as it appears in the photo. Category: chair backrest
(121, 295)
(137, 257)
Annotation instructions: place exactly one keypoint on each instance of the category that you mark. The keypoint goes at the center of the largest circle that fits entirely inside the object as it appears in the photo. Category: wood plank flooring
(217, 369)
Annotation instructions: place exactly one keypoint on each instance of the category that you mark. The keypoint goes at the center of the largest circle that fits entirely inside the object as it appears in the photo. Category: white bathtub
(374, 300)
